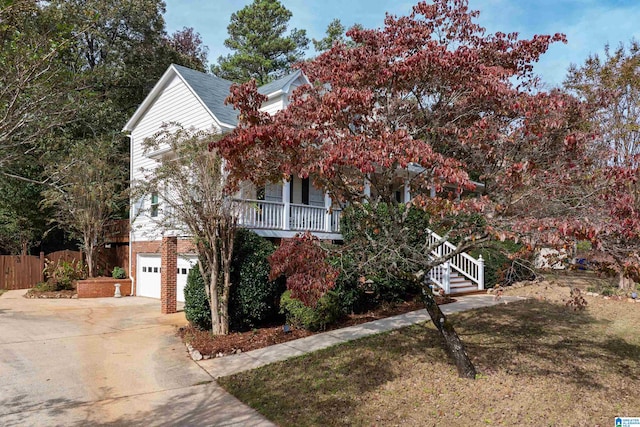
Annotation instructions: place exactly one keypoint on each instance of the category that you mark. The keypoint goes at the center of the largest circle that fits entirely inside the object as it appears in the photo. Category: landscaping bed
(35, 293)
(209, 345)
(540, 362)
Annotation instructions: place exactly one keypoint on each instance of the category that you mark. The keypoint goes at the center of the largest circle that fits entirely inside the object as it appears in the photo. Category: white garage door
(185, 263)
(148, 283)
(148, 276)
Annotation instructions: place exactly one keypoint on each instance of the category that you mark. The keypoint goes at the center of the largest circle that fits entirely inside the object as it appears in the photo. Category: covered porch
(287, 208)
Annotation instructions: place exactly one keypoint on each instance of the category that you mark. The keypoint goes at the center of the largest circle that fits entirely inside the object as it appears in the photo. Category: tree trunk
(624, 283)
(216, 320)
(89, 255)
(452, 341)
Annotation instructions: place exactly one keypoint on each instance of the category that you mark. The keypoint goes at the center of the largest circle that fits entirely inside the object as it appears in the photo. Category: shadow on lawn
(299, 391)
(539, 338)
(529, 340)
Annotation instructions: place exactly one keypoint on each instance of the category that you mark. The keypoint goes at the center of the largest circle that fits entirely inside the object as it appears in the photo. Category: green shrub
(254, 300)
(44, 287)
(118, 273)
(196, 305)
(496, 260)
(386, 287)
(326, 312)
(62, 275)
(607, 292)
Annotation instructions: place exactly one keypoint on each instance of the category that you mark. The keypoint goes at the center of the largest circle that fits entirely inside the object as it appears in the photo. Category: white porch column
(286, 201)
(480, 273)
(432, 191)
(327, 212)
(407, 191)
(367, 188)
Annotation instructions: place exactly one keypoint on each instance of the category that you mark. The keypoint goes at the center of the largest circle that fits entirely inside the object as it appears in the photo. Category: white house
(196, 100)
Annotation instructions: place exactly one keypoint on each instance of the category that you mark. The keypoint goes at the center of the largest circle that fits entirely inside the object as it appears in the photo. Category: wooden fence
(25, 271)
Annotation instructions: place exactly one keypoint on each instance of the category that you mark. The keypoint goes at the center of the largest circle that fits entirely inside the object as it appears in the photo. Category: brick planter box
(101, 287)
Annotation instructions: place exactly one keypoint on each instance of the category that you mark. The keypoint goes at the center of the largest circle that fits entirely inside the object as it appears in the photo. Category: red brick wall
(102, 287)
(168, 278)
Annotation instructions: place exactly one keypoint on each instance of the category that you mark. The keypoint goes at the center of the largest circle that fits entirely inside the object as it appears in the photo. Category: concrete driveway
(104, 361)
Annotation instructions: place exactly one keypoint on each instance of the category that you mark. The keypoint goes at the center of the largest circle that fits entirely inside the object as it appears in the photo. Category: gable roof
(281, 85)
(211, 91)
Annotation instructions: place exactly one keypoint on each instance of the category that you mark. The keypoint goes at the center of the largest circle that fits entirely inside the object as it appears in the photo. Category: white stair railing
(463, 263)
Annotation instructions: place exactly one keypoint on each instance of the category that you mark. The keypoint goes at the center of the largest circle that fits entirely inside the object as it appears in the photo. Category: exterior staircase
(460, 274)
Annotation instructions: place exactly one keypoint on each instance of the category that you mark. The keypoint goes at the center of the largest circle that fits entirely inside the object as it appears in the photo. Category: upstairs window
(154, 205)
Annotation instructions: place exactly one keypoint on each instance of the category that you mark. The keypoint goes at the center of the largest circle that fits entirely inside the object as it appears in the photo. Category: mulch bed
(32, 293)
(238, 342)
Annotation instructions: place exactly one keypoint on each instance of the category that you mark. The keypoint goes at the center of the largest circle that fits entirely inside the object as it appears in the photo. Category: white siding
(274, 105)
(176, 103)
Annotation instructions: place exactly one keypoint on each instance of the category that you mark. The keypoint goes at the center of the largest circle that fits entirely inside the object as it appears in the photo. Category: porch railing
(305, 218)
(261, 214)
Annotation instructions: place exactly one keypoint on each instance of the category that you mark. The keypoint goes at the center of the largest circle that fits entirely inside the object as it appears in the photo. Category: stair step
(463, 289)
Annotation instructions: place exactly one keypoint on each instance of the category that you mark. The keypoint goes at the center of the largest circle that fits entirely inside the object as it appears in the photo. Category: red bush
(304, 263)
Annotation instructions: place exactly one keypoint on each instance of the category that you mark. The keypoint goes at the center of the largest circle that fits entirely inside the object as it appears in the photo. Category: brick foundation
(102, 287)
(168, 278)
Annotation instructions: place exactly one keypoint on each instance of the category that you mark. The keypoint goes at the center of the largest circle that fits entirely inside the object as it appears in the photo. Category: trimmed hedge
(254, 300)
(326, 312)
(196, 306)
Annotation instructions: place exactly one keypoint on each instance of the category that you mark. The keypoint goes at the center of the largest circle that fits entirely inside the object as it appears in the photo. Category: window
(138, 206)
(154, 205)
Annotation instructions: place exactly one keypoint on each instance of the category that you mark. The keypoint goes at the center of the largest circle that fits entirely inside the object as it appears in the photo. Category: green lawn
(539, 362)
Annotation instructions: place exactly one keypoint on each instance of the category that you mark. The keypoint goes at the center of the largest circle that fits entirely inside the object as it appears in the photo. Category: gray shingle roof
(212, 90)
(279, 84)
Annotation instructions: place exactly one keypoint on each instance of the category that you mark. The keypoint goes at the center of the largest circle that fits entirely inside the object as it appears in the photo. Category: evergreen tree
(262, 51)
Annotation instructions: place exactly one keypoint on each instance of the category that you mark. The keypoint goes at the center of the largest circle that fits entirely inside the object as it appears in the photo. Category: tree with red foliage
(304, 263)
(429, 100)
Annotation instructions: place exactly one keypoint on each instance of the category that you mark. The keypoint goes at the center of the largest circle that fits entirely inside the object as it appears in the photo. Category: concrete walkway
(229, 365)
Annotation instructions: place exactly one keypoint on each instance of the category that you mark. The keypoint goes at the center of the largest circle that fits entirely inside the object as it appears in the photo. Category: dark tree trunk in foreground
(454, 345)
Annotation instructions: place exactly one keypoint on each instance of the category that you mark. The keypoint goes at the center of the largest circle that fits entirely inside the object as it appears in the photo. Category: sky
(588, 24)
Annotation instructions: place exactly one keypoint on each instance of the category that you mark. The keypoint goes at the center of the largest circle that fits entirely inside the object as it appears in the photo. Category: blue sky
(588, 24)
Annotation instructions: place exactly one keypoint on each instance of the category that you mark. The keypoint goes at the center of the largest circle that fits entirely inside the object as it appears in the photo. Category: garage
(149, 270)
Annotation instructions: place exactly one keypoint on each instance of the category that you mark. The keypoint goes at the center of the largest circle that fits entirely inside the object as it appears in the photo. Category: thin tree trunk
(213, 291)
(624, 283)
(89, 255)
(452, 341)
(216, 321)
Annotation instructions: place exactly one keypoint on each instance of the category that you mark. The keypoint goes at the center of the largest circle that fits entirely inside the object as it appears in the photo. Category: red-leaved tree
(429, 100)
(304, 263)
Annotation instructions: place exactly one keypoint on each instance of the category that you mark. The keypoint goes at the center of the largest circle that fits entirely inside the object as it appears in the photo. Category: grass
(2, 291)
(539, 364)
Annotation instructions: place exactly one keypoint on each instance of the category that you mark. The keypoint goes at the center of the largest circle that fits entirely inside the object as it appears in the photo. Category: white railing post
(367, 188)
(480, 273)
(407, 191)
(446, 278)
(286, 201)
(327, 212)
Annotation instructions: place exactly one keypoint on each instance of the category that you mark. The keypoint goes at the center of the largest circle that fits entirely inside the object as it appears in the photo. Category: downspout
(131, 235)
